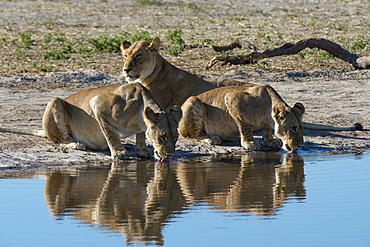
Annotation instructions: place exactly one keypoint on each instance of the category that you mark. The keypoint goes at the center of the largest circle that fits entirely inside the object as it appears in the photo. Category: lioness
(229, 112)
(97, 118)
(170, 85)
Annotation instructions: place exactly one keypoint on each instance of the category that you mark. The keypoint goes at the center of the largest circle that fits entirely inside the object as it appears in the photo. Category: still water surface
(259, 199)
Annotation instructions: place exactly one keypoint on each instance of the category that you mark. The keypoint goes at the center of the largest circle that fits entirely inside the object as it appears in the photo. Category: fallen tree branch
(336, 50)
(238, 43)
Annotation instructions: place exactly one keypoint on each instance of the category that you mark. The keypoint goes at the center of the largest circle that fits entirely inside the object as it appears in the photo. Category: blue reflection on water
(334, 213)
(249, 201)
(25, 220)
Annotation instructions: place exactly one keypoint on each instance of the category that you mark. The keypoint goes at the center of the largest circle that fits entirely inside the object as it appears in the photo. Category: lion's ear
(125, 45)
(299, 109)
(176, 113)
(155, 44)
(279, 112)
(151, 115)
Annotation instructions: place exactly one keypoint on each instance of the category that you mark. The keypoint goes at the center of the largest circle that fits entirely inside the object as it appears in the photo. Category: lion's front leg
(107, 109)
(237, 105)
(246, 137)
(141, 147)
(117, 150)
(269, 139)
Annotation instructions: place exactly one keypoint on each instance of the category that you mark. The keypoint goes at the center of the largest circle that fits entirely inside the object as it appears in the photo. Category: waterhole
(257, 199)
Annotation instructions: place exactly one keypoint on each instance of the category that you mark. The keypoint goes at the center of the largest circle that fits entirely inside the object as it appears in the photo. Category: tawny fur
(229, 112)
(170, 85)
(97, 119)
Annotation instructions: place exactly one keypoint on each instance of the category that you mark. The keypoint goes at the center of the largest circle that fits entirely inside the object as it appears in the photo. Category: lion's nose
(127, 70)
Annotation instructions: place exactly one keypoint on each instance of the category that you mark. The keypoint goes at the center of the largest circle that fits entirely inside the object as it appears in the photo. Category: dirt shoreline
(340, 101)
(32, 31)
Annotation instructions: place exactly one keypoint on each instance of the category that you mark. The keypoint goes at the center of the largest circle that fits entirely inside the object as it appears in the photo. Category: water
(259, 199)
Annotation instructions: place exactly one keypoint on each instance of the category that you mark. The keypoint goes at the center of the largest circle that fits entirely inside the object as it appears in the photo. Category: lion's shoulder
(168, 84)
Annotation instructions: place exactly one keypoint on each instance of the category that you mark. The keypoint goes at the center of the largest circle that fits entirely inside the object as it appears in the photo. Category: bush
(141, 35)
(106, 44)
(176, 41)
(26, 39)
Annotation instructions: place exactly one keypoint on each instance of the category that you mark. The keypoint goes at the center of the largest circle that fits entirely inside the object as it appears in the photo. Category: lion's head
(162, 131)
(139, 58)
(288, 125)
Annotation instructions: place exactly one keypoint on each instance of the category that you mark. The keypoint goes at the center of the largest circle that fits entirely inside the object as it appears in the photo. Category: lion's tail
(39, 133)
(310, 126)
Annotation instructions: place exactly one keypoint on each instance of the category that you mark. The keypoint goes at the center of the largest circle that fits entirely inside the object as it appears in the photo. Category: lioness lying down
(97, 118)
(170, 85)
(229, 112)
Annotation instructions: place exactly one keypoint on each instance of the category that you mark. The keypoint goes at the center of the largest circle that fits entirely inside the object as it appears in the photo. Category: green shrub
(59, 38)
(306, 52)
(26, 39)
(18, 54)
(83, 50)
(55, 54)
(45, 68)
(112, 44)
(140, 35)
(176, 41)
(106, 44)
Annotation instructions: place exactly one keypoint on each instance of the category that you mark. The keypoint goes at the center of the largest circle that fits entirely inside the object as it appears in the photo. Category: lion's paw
(213, 140)
(119, 155)
(251, 145)
(76, 145)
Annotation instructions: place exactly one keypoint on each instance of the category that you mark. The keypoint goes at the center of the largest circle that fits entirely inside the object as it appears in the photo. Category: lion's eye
(138, 56)
(161, 139)
(280, 117)
(293, 130)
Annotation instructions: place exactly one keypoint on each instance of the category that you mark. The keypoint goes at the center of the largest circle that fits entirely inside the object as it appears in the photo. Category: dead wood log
(336, 50)
(238, 43)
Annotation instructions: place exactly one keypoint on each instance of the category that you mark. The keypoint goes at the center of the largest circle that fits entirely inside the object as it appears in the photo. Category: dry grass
(45, 36)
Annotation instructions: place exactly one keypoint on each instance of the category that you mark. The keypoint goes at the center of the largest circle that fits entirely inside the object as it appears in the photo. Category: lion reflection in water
(139, 199)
